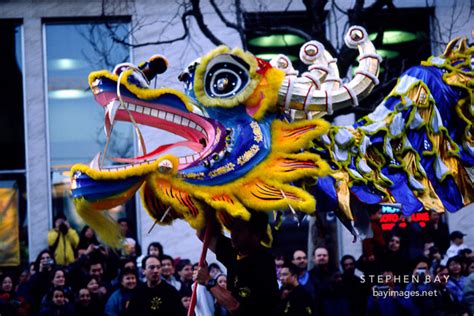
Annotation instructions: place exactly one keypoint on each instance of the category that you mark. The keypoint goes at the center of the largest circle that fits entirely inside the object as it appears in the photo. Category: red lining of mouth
(197, 147)
(192, 135)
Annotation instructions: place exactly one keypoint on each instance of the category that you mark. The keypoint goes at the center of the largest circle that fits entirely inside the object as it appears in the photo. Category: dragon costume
(257, 142)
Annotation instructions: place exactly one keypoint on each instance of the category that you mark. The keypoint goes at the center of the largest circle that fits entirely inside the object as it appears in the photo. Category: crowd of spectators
(397, 270)
(410, 270)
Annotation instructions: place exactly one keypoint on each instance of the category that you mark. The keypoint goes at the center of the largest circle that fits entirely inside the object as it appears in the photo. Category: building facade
(55, 44)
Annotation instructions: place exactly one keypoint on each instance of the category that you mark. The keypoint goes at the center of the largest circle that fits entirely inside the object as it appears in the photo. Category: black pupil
(223, 79)
(225, 82)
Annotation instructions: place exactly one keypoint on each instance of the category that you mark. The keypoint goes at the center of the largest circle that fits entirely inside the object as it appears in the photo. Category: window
(266, 45)
(12, 140)
(75, 120)
(13, 211)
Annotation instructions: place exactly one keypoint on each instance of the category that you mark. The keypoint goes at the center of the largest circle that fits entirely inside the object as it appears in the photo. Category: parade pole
(202, 260)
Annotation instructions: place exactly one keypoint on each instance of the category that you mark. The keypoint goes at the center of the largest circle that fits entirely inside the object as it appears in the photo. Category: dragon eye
(226, 75)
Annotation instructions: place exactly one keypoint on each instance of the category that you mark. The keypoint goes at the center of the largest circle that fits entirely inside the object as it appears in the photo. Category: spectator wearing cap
(457, 243)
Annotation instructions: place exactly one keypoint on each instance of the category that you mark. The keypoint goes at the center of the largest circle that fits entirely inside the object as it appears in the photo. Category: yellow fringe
(138, 170)
(267, 92)
(103, 225)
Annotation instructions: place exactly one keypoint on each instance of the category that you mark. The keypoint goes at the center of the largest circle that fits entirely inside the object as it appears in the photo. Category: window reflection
(76, 121)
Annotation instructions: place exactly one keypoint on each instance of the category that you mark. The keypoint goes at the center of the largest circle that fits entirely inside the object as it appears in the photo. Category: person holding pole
(252, 285)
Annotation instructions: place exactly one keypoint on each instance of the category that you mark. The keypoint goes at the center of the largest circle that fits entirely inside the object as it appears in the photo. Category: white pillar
(38, 199)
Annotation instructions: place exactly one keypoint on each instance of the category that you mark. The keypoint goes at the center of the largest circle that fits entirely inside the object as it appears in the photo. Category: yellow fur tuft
(103, 225)
(266, 93)
(292, 137)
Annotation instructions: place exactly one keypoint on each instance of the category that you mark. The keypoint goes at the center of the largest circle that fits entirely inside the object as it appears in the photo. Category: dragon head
(229, 118)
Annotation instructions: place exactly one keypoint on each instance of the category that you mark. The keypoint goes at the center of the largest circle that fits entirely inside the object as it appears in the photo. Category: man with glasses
(155, 297)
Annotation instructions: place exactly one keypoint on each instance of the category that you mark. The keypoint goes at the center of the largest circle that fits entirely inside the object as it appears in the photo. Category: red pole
(202, 260)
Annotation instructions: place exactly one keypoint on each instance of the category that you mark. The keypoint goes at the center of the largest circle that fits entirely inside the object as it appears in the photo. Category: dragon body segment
(248, 154)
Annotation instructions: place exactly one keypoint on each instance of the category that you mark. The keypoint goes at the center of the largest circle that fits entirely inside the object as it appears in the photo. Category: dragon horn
(296, 95)
(450, 47)
(462, 47)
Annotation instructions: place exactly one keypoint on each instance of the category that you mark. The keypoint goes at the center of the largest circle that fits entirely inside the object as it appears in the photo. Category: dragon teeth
(170, 117)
